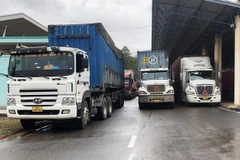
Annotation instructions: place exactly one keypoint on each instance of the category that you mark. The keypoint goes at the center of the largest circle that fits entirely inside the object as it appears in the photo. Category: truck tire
(172, 105)
(120, 101)
(217, 104)
(103, 111)
(141, 105)
(110, 106)
(81, 123)
(27, 124)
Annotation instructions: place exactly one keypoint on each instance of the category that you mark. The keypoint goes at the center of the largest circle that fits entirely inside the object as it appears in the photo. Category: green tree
(130, 62)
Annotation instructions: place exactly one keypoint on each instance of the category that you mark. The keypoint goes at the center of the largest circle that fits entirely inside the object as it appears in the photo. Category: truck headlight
(170, 91)
(218, 92)
(190, 92)
(68, 101)
(142, 92)
(11, 102)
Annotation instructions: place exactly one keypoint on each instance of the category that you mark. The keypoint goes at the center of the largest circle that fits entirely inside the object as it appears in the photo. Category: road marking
(229, 110)
(132, 142)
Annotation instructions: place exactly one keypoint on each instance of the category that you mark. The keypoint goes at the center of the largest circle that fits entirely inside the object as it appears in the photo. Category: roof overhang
(21, 25)
(184, 26)
(7, 43)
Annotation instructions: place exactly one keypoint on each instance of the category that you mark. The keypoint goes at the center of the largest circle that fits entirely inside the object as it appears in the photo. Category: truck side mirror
(139, 84)
(173, 76)
(219, 75)
(181, 76)
(172, 82)
(131, 81)
(81, 63)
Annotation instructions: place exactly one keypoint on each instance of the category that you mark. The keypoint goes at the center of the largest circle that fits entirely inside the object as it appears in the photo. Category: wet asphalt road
(182, 133)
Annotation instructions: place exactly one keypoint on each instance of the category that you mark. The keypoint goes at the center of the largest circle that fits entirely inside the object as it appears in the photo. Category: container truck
(129, 84)
(195, 81)
(78, 76)
(155, 78)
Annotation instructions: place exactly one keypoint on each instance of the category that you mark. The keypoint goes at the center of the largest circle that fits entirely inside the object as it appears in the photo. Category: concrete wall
(3, 80)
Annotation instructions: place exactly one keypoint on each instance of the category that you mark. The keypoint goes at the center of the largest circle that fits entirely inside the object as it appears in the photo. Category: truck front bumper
(201, 99)
(156, 98)
(47, 113)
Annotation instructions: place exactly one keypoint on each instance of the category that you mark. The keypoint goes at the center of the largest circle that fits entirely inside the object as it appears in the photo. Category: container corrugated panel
(152, 59)
(106, 69)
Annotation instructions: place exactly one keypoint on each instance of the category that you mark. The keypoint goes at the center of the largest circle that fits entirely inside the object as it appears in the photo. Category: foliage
(130, 61)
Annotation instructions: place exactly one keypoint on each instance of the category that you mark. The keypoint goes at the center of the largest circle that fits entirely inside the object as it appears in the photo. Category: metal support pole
(5, 31)
(218, 59)
(237, 63)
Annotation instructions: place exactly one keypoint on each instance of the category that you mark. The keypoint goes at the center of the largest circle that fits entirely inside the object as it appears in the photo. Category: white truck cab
(156, 86)
(197, 81)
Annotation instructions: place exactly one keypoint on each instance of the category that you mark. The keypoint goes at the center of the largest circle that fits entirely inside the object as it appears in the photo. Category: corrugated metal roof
(184, 26)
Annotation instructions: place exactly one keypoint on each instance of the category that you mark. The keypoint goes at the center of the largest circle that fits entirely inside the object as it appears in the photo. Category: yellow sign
(145, 60)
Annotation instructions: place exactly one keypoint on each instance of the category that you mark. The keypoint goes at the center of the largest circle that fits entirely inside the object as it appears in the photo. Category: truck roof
(195, 63)
(154, 69)
(41, 49)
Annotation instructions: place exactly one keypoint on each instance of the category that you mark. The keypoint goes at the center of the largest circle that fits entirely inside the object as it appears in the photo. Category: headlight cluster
(11, 102)
(142, 92)
(190, 92)
(218, 92)
(170, 91)
(68, 101)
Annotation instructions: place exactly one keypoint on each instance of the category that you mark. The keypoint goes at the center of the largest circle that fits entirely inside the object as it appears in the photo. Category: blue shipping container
(152, 59)
(105, 60)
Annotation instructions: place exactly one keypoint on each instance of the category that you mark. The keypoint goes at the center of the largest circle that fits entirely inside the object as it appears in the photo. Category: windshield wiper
(63, 77)
(24, 75)
(40, 76)
(2, 74)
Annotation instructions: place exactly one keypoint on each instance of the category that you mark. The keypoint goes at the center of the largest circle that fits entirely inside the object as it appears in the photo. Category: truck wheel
(217, 104)
(82, 122)
(172, 105)
(141, 106)
(122, 100)
(109, 108)
(103, 111)
(27, 124)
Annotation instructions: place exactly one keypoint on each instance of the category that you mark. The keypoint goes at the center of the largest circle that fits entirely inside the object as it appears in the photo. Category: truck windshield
(198, 75)
(41, 64)
(154, 75)
(126, 81)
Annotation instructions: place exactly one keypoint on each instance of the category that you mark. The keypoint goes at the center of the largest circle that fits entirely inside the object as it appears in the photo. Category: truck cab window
(46, 64)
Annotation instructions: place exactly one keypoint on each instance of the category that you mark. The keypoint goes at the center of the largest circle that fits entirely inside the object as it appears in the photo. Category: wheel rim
(104, 107)
(85, 114)
(109, 107)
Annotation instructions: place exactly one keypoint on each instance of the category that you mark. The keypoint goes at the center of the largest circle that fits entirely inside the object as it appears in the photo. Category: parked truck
(155, 78)
(129, 84)
(195, 82)
(78, 76)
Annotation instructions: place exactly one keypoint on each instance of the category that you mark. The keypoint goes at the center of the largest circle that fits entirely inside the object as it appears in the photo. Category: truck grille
(36, 97)
(156, 88)
(209, 89)
(45, 112)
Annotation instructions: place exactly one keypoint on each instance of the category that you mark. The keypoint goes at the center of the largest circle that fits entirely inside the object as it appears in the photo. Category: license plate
(205, 98)
(37, 109)
(156, 101)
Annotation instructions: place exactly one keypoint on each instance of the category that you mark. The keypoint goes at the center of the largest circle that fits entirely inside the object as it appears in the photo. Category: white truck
(82, 78)
(196, 82)
(155, 86)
